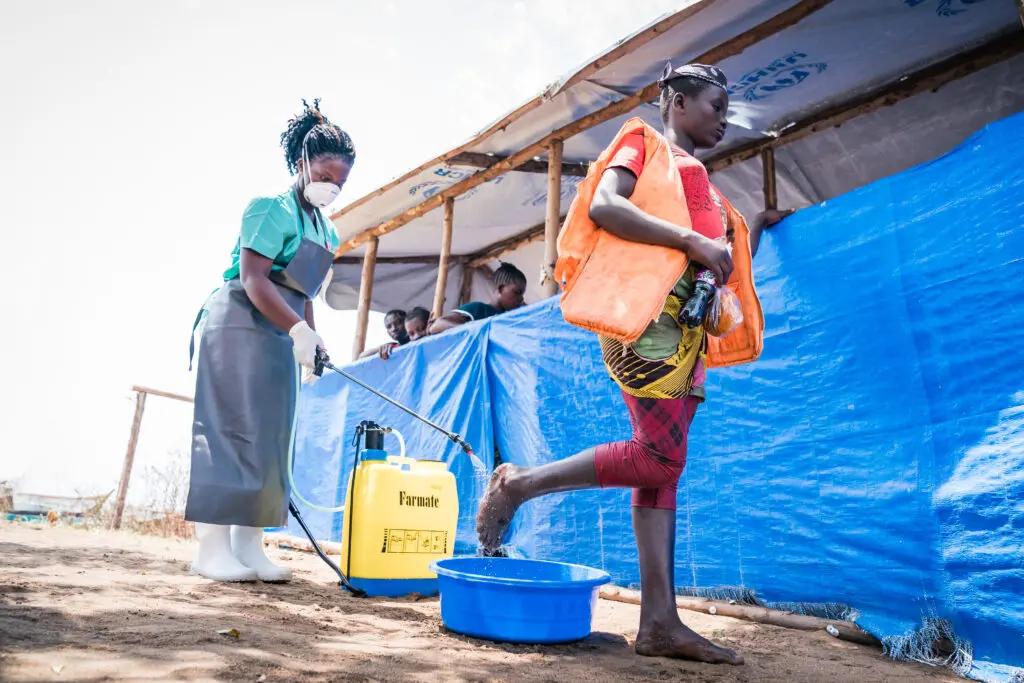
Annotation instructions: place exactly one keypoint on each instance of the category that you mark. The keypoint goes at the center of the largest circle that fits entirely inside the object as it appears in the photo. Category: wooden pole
(480, 160)
(771, 196)
(844, 630)
(466, 285)
(162, 394)
(548, 284)
(365, 295)
(442, 262)
(801, 10)
(1020, 10)
(129, 459)
(397, 260)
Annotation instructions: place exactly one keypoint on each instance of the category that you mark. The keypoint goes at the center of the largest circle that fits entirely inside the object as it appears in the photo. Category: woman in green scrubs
(259, 329)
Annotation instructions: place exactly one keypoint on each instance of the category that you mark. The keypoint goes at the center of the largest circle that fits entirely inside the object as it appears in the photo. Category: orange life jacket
(616, 288)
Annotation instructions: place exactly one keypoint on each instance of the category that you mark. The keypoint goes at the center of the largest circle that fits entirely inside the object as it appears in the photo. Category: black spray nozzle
(462, 443)
(321, 361)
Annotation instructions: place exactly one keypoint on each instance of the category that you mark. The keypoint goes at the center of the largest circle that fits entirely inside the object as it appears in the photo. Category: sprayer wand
(323, 361)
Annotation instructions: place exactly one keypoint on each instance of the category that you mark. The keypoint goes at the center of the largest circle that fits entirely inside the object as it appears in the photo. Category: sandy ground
(102, 606)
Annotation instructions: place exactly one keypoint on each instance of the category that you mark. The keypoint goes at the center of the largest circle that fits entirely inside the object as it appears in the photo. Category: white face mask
(318, 194)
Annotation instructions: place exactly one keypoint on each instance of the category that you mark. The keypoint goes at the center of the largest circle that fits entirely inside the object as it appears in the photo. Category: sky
(133, 136)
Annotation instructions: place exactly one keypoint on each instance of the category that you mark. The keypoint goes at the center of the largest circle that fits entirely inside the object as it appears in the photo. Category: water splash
(480, 475)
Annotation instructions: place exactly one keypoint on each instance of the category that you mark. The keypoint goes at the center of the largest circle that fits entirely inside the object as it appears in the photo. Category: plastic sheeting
(873, 457)
(829, 57)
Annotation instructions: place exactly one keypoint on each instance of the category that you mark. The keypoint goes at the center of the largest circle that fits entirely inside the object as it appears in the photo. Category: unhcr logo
(945, 8)
(418, 501)
(783, 73)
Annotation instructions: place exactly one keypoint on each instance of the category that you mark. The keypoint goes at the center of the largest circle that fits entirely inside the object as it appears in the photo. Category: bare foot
(497, 509)
(679, 642)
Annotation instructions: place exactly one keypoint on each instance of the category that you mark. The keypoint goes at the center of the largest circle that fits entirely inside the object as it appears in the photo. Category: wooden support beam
(466, 285)
(479, 160)
(442, 263)
(365, 295)
(727, 49)
(771, 195)
(162, 394)
(499, 249)
(129, 460)
(548, 284)
(843, 630)
(624, 48)
(1020, 10)
(928, 79)
(396, 260)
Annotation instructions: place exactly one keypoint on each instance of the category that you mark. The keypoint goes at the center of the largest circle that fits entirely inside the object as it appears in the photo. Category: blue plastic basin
(518, 601)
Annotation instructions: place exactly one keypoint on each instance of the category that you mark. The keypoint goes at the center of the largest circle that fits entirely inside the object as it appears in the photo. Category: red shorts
(652, 462)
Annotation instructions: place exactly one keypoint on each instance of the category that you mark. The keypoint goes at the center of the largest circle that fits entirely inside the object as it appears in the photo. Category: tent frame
(527, 159)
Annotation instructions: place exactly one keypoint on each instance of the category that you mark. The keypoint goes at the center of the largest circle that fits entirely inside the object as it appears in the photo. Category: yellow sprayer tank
(400, 516)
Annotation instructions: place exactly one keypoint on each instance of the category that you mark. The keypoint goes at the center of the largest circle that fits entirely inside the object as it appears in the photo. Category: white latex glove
(308, 377)
(305, 341)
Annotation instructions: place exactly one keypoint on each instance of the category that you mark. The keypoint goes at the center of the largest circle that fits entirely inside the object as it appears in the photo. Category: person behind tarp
(417, 322)
(509, 294)
(662, 374)
(258, 325)
(394, 323)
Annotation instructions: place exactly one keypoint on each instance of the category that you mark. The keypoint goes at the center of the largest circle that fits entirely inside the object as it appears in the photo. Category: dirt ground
(102, 606)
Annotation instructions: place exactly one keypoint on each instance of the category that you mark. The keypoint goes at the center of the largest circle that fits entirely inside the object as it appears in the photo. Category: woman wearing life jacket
(258, 326)
(661, 375)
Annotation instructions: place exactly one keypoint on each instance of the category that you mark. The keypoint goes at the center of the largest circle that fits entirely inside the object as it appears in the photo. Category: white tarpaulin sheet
(845, 49)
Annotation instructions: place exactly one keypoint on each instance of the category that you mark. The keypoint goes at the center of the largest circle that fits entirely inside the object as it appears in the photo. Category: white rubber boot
(247, 545)
(214, 559)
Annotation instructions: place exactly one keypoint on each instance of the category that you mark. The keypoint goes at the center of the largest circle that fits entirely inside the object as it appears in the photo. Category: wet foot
(497, 509)
(679, 642)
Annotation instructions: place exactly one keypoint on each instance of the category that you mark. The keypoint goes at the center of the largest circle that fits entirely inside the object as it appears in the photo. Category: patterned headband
(703, 72)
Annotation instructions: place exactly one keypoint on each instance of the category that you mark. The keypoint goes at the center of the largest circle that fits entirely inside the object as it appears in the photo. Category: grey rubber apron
(245, 399)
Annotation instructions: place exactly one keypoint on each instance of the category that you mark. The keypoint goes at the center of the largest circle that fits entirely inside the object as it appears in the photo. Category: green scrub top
(270, 227)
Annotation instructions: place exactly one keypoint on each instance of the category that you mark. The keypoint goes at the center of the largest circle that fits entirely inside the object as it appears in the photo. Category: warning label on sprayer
(418, 541)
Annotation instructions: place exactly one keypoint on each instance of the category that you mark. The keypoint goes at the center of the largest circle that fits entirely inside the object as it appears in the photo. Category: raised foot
(497, 509)
(682, 643)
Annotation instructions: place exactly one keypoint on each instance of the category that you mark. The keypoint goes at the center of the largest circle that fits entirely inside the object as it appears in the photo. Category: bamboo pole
(162, 394)
(365, 295)
(732, 47)
(771, 196)
(466, 285)
(577, 169)
(844, 630)
(129, 460)
(548, 284)
(624, 48)
(442, 263)
(421, 260)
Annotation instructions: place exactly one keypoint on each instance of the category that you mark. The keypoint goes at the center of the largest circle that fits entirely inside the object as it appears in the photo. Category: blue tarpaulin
(873, 457)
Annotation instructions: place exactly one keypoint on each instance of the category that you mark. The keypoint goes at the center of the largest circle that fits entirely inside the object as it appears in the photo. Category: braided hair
(324, 138)
(507, 274)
